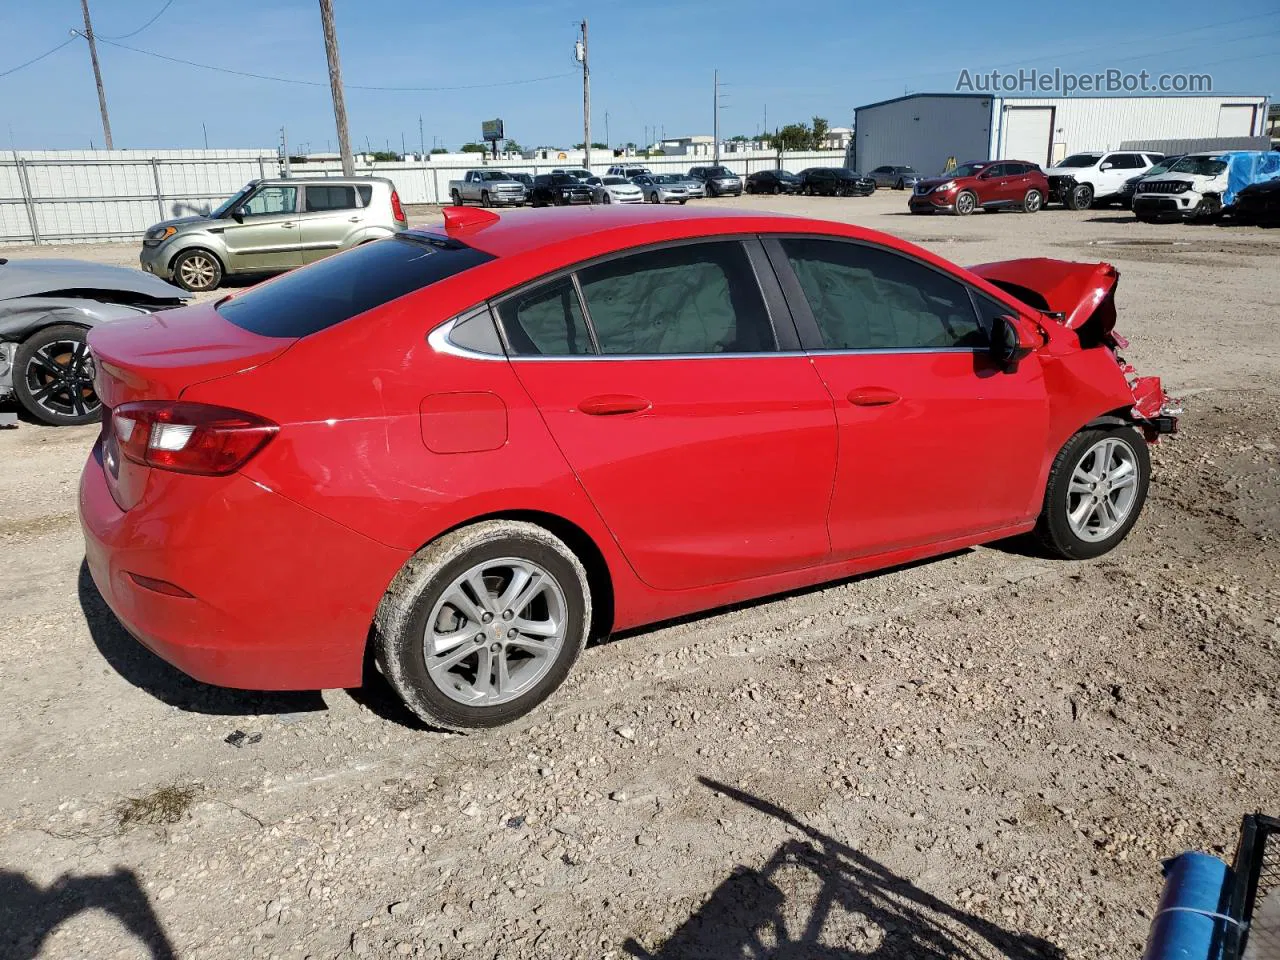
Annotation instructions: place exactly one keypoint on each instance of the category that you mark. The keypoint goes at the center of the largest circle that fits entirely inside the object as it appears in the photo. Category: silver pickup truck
(489, 188)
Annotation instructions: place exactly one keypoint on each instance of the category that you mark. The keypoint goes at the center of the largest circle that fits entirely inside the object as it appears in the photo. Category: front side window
(867, 298)
(696, 298)
(546, 321)
(1081, 160)
(320, 199)
(272, 200)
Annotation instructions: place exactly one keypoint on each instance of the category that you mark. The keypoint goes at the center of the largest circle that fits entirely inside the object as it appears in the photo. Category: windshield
(1162, 167)
(906, 170)
(667, 178)
(495, 175)
(965, 170)
(1081, 160)
(1200, 166)
(563, 178)
(234, 202)
(720, 172)
(614, 182)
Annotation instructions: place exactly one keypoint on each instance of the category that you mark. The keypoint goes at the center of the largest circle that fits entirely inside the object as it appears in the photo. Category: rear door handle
(288, 225)
(613, 404)
(872, 396)
(355, 219)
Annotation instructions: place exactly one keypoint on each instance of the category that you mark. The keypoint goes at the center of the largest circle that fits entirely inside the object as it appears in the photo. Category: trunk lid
(157, 357)
(1080, 295)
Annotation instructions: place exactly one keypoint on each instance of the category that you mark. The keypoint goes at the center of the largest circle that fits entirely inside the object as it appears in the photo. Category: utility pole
(284, 152)
(581, 53)
(97, 73)
(335, 86)
(715, 123)
(608, 142)
(206, 134)
(422, 140)
(402, 149)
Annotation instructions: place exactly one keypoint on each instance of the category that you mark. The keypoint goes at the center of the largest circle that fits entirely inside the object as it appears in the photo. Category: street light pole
(335, 86)
(715, 123)
(586, 99)
(97, 74)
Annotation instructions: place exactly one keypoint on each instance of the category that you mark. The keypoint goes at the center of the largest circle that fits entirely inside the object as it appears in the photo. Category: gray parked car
(270, 226)
(897, 177)
(46, 310)
(720, 181)
(662, 187)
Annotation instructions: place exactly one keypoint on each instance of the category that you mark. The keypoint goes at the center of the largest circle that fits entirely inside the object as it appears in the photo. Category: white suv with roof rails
(1084, 179)
(628, 171)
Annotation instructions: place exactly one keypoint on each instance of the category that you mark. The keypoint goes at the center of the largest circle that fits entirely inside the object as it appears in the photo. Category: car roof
(320, 181)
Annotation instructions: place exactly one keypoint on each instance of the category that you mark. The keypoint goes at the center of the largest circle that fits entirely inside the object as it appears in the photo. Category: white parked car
(1083, 179)
(628, 170)
(1191, 189)
(613, 189)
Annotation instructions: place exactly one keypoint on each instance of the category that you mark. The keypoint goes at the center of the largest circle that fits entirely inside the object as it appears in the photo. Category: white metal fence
(85, 196)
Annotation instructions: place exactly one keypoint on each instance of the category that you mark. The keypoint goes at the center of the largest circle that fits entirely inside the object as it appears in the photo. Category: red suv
(990, 184)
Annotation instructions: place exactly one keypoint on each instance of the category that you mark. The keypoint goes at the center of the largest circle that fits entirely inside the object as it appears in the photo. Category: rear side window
(366, 194)
(320, 199)
(864, 298)
(343, 286)
(546, 321)
(697, 298)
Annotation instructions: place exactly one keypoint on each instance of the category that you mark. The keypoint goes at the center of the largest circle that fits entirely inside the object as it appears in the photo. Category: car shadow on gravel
(861, 909)
(142, 668)
(30, 914)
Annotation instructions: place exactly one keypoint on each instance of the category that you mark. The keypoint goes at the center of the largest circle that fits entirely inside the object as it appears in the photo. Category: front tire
(53, 377)
(197, 271)
(966, 203)
(483, 625)
(1080, 197)
(456, 197)
(1097, 486)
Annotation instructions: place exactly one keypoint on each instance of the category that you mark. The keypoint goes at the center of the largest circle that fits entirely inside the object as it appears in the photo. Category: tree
(595, 146)
(739, 138)
(383, 156)
(819, 134)
(794, 136)
(511, 146)
(474, 148)
(439, 150)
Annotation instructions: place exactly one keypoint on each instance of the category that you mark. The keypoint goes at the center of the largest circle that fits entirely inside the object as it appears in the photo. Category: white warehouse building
(923, 130)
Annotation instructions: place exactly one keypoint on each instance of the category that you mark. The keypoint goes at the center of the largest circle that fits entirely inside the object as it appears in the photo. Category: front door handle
(288, 225)
(355, 219)
(872, 396)
(613, 404)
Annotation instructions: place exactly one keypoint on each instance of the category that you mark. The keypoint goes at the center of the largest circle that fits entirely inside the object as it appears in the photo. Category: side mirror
(240, 213)
(1106, 166)
(1007, 345)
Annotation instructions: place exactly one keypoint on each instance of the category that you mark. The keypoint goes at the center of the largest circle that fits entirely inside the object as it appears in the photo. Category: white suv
(1190, 189)
(1083, 179)
(628, 171)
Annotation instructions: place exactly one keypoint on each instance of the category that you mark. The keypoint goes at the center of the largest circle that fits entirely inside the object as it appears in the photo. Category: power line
(126, 36)
(323, 83)
(47, 53)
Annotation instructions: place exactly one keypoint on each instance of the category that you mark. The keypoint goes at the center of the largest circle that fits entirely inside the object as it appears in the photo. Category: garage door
(1026, 135)
(1236, 120)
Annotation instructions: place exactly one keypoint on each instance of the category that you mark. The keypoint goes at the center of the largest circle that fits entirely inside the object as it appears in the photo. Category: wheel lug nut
(495, 647)
(508, 614)
(486, 617)
(513, 633)
(479, 638)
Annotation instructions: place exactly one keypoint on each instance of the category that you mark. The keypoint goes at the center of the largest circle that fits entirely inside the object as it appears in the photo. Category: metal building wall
(1104, 123)
(922, 132)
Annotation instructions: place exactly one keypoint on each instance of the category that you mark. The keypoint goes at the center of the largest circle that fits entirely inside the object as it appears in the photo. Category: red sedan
(474, 446)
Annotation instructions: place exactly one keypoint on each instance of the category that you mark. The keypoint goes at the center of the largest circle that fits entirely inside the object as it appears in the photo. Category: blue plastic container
(1190, 921)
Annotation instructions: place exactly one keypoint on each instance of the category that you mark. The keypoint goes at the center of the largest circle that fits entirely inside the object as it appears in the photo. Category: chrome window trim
(615, 357)
(438, 340)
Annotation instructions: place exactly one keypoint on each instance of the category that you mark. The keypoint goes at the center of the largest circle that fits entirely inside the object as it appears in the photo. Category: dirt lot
(985, 755)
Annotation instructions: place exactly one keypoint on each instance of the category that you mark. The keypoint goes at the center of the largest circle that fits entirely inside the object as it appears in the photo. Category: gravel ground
(984, 755)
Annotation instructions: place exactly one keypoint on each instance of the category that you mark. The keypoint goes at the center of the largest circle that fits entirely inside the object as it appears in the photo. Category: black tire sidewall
(1039, 203)
(404, 642)
(1053, 529)
(22, 356)
(185, 255)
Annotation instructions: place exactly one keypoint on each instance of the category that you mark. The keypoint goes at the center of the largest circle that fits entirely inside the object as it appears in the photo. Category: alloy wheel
(197, 271)
(495, 631)
(59, 379)
(1103, 488)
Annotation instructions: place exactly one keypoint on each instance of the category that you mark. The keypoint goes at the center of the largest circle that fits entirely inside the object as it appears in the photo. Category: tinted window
(692, 298)
(865, 298)
(340, 287)
(320, 199)
(273, 200)
(477, 332)
(366, 194)
(546, 321)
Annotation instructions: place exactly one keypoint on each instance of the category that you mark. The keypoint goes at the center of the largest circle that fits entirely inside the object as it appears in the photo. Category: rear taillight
(397, 211)
(188, 437)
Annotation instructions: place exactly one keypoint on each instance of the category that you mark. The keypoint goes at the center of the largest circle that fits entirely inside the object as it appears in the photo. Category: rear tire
(1097, 486)
(467, 693)
(1033, 202)
(456, 198)
(53, 377)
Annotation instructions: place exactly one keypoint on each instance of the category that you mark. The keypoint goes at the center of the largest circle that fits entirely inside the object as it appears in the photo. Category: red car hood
(1076, 291)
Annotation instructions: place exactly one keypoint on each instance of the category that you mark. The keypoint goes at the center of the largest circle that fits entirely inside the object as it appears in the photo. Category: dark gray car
(897, 177)
(47, 308)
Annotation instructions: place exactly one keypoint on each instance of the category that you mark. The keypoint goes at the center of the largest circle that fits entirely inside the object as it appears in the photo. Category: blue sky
(652, 63)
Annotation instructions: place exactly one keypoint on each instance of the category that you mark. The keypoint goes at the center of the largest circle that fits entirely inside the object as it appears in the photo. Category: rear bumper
(281, 598)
